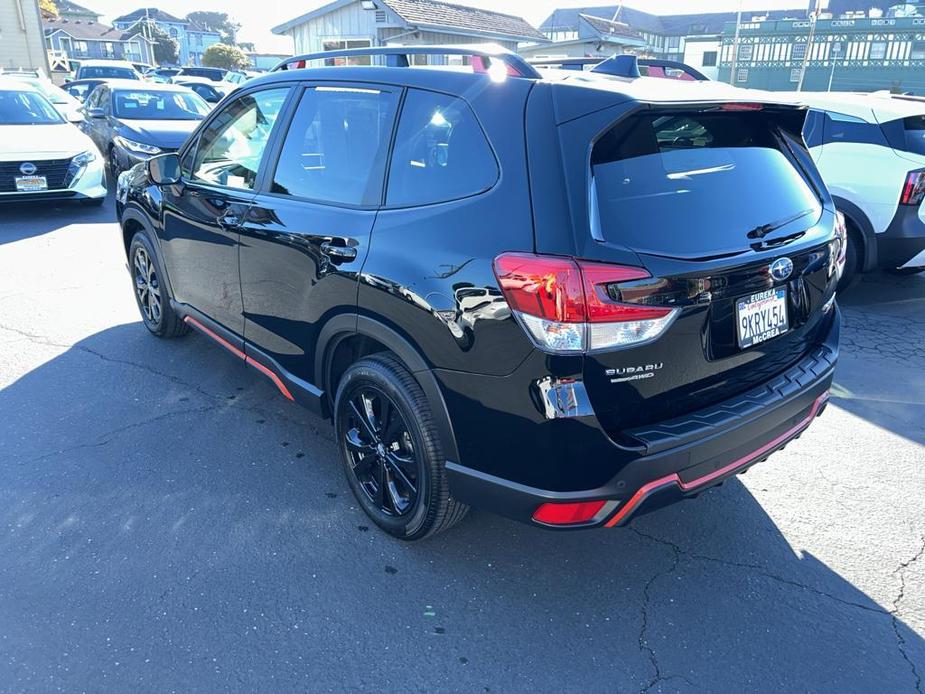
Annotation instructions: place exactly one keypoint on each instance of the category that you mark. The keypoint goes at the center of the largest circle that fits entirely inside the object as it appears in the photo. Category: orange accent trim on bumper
(238, 353)
(675, 479)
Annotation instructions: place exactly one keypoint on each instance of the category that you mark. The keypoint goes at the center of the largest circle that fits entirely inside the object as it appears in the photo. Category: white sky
(259, 16)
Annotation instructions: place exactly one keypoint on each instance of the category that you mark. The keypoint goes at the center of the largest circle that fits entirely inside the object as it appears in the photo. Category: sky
(257, 17)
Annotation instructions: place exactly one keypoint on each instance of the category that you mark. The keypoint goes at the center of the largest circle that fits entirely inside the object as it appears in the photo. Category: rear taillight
(914, 189)
(572, 306)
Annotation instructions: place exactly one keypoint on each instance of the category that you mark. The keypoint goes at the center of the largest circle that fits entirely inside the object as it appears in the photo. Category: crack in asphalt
(894, 614)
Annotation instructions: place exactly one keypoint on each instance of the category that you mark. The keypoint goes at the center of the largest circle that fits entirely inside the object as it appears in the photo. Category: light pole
(735, 46)
(836, 51)
(814, 13)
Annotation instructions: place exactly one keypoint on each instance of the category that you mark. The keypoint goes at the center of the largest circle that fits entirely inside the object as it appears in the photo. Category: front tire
(391, 451)
(151, 294)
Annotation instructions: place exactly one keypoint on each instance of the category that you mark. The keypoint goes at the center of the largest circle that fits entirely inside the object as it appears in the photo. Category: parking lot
(169, 523)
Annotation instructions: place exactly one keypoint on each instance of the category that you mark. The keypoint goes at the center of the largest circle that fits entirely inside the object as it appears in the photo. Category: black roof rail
(397, 56)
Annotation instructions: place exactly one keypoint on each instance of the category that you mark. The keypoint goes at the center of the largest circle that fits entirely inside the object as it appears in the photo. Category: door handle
(338, 253)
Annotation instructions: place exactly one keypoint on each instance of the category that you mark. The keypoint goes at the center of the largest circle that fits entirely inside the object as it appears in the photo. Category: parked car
(132, 121)
(870, 150)
(81, 89)
(106, 69)
(161, 74)
(566, 299)
(64, 103)
(42, 156)
(212, 73)
(211, 92)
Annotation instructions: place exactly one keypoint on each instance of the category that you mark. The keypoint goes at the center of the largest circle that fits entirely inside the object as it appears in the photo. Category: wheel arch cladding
(857, 219)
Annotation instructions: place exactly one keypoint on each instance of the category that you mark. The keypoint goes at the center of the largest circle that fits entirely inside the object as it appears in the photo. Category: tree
(166, 47)
(224, 56)
(218, 22)
(48, 8)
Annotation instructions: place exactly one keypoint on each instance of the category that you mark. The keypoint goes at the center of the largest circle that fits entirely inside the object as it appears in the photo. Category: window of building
(440, 152)
(798, 52)
(795, 74)
(746, 51)
(709, 59)
(337, 145)
(918, 50)
(878, 50)
(742, 75)
(342, 44)
(673, 44)
(231, 148)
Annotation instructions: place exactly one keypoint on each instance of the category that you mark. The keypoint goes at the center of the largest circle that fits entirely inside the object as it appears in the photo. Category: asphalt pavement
(169, 523)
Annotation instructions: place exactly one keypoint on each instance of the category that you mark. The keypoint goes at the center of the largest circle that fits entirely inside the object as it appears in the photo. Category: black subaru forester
(565, 297)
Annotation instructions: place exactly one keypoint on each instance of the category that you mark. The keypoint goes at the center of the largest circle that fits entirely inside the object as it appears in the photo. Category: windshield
(138, 104)
(694, 185)
(26, 108)
(106, 72)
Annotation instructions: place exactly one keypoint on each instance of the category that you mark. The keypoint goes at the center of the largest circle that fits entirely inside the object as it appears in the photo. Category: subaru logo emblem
(781, 269)
(27, 168)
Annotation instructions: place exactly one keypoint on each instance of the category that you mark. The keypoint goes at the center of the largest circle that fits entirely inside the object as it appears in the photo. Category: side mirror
(164, 169)
(96, 113)
(75, 117)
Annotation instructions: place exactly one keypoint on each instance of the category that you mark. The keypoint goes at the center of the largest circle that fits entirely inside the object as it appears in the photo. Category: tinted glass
(337, 146)
(139, 104)
(844, 128)
(26, 108)
(915, 134)
(122, 73)
(694, 185)
(231, 147)
(440, 153)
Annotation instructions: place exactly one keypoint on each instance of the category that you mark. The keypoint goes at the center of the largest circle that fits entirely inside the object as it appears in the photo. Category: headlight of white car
(79, 164)
(136, 147)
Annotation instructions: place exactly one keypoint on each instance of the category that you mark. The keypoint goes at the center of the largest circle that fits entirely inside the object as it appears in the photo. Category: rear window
(694, 185)
(103, 72)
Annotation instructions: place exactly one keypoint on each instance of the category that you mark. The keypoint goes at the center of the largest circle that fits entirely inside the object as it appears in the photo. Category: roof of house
(86, 30)
(608, 29)
(567, 19)
(437, 15)
(73, 8)
(152, 13)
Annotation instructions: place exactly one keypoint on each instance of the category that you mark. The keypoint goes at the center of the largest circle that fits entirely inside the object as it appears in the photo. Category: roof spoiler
(397, 56)
(619, 66)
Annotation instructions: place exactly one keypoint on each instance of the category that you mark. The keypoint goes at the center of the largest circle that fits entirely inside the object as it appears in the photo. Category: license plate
(760, 317)
(31, 184)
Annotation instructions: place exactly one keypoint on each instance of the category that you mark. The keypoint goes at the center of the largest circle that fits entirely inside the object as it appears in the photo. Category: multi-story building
(21, 43)
(863, 50)
(364, 23)
(193, 38)
(81, 39)
(72, 11)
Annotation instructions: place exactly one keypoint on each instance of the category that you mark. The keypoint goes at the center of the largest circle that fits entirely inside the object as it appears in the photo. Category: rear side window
(440, 152)
(336, 147)
(843, 128)
(694, 185)
(915, 134)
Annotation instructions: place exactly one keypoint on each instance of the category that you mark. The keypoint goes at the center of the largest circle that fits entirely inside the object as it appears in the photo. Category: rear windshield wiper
(760, 232)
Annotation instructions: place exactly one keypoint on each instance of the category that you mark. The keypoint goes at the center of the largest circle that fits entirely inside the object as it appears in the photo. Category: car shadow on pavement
(881, 370)
(20, 221)
(171, 523)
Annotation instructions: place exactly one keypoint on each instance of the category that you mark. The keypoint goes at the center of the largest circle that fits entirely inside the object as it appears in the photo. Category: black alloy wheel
(147, 287)
(381, 452)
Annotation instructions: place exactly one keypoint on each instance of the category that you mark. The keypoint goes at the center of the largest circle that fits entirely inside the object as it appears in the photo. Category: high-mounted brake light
(573, 306)
(742, 107)
(914, 189)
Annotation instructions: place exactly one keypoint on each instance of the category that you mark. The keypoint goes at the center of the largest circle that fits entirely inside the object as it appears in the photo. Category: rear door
(307, 234)
(722, 207)
(202, 217)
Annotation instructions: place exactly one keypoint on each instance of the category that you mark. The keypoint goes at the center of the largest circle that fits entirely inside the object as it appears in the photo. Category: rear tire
(391, 451)
(151, 294)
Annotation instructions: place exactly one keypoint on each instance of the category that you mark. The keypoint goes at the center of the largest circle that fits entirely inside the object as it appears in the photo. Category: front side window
(141, 104)
(693, 185)
(337, 145)
(232, 146)
(440, 152)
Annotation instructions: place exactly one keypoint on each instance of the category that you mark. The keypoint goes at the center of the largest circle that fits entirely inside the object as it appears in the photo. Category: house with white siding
(22, 42)
(366, 23)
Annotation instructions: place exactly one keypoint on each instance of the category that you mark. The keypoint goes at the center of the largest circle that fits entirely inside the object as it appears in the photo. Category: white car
(64, 103)
(42, 156)
(870, 150)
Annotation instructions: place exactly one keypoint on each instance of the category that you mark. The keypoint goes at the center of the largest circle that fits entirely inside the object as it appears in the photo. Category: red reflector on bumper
(568, 514)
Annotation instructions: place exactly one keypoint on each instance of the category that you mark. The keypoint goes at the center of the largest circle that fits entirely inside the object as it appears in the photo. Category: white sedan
(42, 156)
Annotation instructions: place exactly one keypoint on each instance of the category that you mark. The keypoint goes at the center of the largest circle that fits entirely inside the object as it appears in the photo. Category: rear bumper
(903, 243)
(681, 457)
